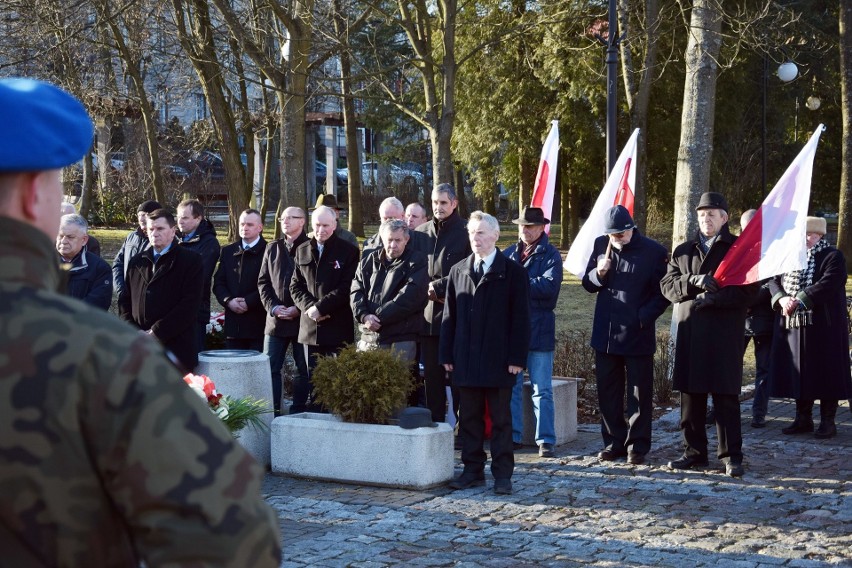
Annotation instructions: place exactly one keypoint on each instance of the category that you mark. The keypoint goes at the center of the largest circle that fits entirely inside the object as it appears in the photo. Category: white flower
(222, 410)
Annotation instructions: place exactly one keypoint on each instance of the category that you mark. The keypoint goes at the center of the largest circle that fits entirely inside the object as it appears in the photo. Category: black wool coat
(446, 245)
(629, 299)
(237, 277)
(325, 283)
(204, 243)
(709, 341)
(273, 284)
(812, 362)
(165, 299)
(486, 326)
(395, 292)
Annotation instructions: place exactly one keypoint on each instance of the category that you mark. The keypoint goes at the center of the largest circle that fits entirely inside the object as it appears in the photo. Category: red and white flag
(545, 178)
(618, 190)
(774, 241)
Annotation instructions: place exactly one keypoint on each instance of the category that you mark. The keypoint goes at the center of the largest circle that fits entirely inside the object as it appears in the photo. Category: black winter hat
(712, 200)
(148, 206)
(617, 219)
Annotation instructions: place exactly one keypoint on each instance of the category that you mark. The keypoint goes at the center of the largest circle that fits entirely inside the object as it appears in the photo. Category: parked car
(396, 175)
(205, 164)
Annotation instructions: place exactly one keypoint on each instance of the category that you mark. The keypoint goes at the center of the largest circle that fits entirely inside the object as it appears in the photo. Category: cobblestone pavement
(793, 508)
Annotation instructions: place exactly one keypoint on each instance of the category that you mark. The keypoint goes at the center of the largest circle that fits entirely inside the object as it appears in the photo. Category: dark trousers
(637, 373)
(303, 388)
(276, 349)
(472, 430)
(250, 343)
(693, 411)
(762, 353)
(201, 336)
(435, 379)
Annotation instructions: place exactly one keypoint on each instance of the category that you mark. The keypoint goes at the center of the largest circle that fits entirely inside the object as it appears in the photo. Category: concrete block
(321, 446)
(240, 373)
(564, 411)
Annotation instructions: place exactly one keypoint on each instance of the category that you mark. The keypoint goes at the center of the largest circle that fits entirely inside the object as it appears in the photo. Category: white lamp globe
(787, 71)
(813, 102)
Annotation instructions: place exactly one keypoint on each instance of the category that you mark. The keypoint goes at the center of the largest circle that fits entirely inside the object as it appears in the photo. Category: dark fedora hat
(327, 200)
(416, 417)
(712, 200)
(532, 216)
(617, 219)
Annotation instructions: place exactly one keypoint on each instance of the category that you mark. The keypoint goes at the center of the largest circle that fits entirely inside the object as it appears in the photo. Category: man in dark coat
(810, 346)
(163, 290)
(282, 315)
(448, 244)
(330, 201)
(133, 244)
(543, 264)
(624, 270)
(485, 337)
(709, 325)
(759, 323)
(389, 293)
(89, 276)
(235, 285)
(324, 268)
(196, 233)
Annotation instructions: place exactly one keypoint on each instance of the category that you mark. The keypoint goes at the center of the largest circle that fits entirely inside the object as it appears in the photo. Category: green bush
(362, 386)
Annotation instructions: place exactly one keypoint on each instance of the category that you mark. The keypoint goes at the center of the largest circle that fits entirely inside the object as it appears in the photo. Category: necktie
(246, 247)
(156, 257)
(479, 270)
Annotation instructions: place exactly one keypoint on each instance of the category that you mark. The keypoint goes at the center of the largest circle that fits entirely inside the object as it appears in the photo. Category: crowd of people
(437, 292)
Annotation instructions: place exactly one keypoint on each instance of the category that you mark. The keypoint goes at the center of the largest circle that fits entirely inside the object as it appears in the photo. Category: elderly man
(330, 201)
(709, 325)
(390, 209)
(324, 268)
(235, 284)
(135, 242)
(105, 450)
(163, 290)
(447, 244)
(485, 349)
(93, 246)
(389, 293)
(543, 264)
(415, 215)
(624, 270)
(89, 276)
(282, 316)
(196, 233)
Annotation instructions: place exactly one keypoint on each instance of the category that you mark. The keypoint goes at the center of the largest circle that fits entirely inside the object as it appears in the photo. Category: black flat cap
(617, 219)
(712, 200)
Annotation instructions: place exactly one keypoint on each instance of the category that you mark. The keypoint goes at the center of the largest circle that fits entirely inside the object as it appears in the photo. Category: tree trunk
(699, 104)
(844, 219)
(526, 178)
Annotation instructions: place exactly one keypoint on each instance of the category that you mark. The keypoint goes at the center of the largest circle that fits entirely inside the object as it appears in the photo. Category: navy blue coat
(629, 298)
(90, 280)
(486, 326)
(205, 243)
(237, 277)
(544, 268)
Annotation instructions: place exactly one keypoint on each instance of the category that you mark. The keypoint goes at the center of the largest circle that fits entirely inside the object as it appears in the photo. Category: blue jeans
(276, 348)
(540, 370)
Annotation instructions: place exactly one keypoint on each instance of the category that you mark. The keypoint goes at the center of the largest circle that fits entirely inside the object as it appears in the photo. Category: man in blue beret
(104, 448)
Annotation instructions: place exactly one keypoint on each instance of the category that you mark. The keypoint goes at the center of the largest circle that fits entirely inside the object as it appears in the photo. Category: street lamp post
(611, 87)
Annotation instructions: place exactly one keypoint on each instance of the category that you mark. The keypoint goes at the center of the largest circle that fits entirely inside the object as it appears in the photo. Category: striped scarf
(796, 281)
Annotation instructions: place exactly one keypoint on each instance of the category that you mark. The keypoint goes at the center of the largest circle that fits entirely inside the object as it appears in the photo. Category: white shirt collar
(251, 244)
(488, 260)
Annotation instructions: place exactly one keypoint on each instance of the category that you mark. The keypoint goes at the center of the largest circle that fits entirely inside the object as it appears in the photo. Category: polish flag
(774, 241)
(618, 190)
(545, 179)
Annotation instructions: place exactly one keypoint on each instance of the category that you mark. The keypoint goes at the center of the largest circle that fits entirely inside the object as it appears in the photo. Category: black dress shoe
(468, 479)
(545, 451)
(635, 458)
(734, 469)
(799, 427)
(688, 462)
(611, 455)
(503, 486)
(758, 421)
(825, 431)
(517, 446)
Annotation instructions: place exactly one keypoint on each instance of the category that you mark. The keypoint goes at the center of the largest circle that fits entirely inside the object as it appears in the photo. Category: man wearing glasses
(282, 316)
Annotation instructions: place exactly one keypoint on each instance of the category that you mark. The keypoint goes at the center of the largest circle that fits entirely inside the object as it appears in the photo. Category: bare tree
(844, 229)
(699, 105)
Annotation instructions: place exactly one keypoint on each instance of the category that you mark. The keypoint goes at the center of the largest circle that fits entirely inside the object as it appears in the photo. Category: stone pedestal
(320, 446)
(564, 411)
(239, 373)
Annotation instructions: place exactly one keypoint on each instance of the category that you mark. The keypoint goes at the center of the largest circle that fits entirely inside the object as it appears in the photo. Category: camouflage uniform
(106, 457)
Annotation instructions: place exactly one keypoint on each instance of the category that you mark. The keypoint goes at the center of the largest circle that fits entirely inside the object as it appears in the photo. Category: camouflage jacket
(106, 457)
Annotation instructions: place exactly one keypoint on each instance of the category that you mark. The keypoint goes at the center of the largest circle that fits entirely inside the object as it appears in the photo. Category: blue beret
(44, 128)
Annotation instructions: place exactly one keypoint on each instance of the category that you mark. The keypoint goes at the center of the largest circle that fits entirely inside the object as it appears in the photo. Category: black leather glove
(705, 282)
(703, 300)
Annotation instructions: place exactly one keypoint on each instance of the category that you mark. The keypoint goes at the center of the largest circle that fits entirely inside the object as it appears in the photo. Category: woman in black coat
(810, 346)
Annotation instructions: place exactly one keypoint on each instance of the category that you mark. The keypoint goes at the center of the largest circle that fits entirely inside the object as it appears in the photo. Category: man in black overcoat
(485, 337)
(162, 290)
(709, 325)
(324, 268)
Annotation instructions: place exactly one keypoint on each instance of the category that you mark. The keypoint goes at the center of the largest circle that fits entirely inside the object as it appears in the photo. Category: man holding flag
(710, 323)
